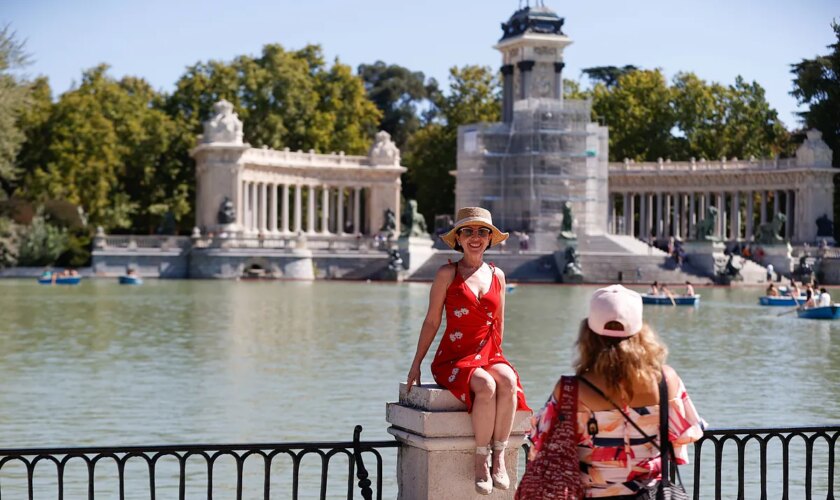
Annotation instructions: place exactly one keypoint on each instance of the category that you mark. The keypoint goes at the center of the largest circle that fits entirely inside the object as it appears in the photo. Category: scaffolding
(525, 172)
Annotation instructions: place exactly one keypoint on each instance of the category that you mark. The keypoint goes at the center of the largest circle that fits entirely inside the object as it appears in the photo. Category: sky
(158, 39)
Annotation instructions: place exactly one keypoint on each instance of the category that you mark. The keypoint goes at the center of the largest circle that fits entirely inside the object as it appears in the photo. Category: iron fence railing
(357, 478)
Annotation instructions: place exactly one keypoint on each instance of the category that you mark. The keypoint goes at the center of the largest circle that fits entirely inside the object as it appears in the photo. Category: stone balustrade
(702, 164)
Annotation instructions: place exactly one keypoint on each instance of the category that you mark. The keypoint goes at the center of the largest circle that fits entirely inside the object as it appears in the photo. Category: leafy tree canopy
(13, 98)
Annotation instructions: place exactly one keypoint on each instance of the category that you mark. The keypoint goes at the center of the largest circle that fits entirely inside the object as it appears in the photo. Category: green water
(223, 361)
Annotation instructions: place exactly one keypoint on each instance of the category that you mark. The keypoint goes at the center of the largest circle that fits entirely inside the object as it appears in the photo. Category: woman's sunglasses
(482, 232)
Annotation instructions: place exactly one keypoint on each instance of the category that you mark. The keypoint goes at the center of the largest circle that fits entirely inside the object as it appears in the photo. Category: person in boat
(689, 290)
(810, 299)
(654, 289)
(664, 290)
(469, 360)
(794, 290)
(824, 298)
(772, 291)
(620, 362)
(74, 273)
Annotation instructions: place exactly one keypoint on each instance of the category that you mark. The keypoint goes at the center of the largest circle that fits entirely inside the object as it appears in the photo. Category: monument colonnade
(668, 199)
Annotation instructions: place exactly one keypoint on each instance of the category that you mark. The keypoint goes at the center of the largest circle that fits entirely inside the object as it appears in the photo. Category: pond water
(239, 362)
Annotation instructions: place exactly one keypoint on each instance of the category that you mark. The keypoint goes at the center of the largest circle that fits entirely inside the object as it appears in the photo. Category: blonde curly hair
(623, 362)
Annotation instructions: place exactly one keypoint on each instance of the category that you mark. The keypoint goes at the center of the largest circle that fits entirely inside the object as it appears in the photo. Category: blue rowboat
(663, 300)
(510, 287)
(779, 301)
(60, 280)
(130, 280)
(824, 312)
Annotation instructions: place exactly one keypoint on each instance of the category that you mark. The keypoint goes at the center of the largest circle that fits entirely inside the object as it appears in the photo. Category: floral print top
(617, 460)
(471, 340)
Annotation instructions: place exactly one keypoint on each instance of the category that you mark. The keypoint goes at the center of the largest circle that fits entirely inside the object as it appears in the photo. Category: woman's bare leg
(483, 385)
(505, 379)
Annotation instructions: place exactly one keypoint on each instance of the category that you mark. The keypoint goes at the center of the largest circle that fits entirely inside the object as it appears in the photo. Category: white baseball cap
(615, 303)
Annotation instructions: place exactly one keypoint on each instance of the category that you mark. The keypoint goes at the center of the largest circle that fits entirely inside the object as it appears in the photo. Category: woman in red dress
(469, 361)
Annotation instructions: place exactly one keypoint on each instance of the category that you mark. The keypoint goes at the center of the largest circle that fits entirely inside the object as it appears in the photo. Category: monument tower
(543, 169)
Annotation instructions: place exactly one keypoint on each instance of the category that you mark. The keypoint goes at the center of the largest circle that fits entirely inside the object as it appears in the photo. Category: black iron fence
(786, 463)
(193, 467)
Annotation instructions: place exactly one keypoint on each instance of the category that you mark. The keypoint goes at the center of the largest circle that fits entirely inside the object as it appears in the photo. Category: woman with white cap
(619, 366)
(469, 361)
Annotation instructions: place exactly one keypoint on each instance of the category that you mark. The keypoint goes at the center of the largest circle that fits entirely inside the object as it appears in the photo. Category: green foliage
(430, 155)
(817, 85)
(13, 98)
(8, 242)
(76, 250)
(398, 93)
(650, 119)
(41, 243)
(284, 98)
(608, 75)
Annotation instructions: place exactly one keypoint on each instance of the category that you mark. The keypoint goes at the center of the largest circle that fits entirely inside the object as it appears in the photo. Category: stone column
(298, 208)
(762, 217)
(285, 207)
(626, 213)
(507, 93)
(611, 213)
(775, 203)
(310, 213)
(339, 207)
(325, 209)
(735, 217)
(651, 209)
(667, 229)
(240, 206)
(263, 207)
(721, 214)
(249, 212)
(273, 224)
(525, 68)
(658, 220)
(748, 229)
(788, 214)
(642, 214)
(692, 216)
(631, 212)
(437, 446)
(558, 80)
(357, 210)
(677, 220)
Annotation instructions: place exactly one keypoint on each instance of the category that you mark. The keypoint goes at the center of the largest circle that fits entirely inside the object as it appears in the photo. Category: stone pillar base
(437, 453)
(780, 256)
(415, 251)
(706, 256)
(299, 267)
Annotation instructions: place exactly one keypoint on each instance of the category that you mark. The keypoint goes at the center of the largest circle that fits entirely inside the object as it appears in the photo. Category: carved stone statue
(825, 227)
(566, 231)
(389, 226)
(732, 271)
(227, 212)
(224, 126)
(413, 222)
(706, 227)
(395, 262)
(384, 151)
(768, 233)
(572, 272)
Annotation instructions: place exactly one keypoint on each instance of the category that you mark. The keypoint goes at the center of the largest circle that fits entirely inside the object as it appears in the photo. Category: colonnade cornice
(741, 181)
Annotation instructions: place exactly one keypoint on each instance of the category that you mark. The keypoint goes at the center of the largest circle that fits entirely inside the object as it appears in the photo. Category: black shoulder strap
(664, 439)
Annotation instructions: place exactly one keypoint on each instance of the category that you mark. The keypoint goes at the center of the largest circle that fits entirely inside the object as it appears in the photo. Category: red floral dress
(471, 339)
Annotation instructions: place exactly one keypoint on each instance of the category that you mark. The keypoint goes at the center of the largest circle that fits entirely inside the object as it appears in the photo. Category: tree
(398, 93)
(474, 97)
(13, 96)
(608, 75)
(816, 84)
(639, 113)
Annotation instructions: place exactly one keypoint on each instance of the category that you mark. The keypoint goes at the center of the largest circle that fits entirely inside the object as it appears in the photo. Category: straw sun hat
(474, 216)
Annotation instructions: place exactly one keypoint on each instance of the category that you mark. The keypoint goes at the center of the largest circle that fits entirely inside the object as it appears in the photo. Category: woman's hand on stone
(413, 376)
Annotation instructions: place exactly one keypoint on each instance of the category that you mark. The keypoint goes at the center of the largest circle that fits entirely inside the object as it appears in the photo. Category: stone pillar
(650, 211)
(611, 214)
(748, 229)
(642, 214)
(310, 213)
(273, 224)
(249, 212)
(692, 216)
(240, 205)
(788, 214)
(762, 217)
(735, 217)
(677, 220)
(437, 446)
(525, 68)
(658, 219)
(285, 207)
(325, 209)
(507, 93)
(558, 80)
(721, 214)
(631, 212)
(776, 204)
(339, 207)
(357, 209)
(626, 213)
(298, 208)
(666, 217)
(263, 207)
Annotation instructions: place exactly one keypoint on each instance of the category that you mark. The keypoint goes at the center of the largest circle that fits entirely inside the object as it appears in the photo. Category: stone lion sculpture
(572, 272)
(768, 233)
(226, 213)
(413, 222)
(706, 227)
